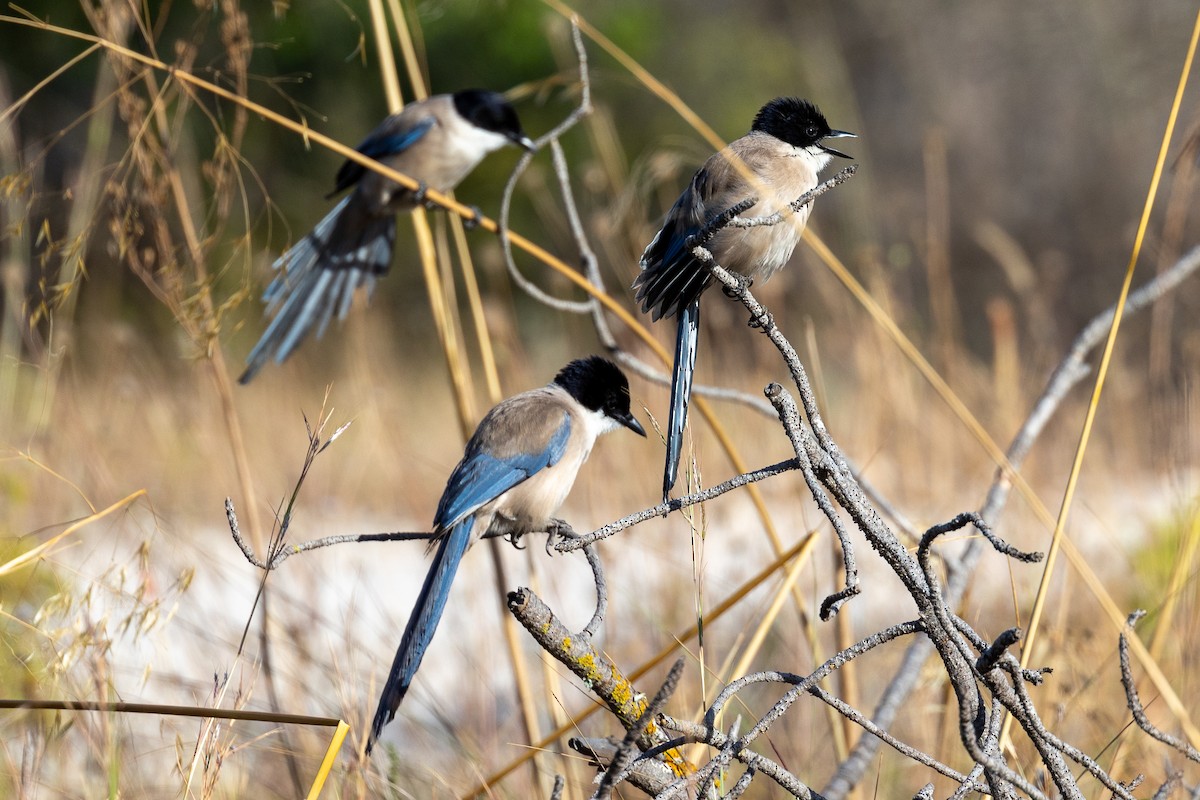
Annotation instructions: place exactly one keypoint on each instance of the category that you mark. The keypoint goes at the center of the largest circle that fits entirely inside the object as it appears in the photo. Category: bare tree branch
(1134, 702)
(622, 761)
(1069, 372)
(286, 551)
(603, 677)
(663, 509)
(703, 733)
(582, 110)
(647, 774)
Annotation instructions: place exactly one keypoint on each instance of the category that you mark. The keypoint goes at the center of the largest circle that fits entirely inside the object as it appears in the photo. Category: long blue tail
(318, 276)
(426, 614)
(687, 336)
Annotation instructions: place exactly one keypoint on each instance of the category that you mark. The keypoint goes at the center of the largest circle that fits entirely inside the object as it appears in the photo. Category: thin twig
(1134, 702)
(800, 202)
(663, 509)
(801, 683)
(806, 450)
(583, 109)
(702, 733)
(906, 750)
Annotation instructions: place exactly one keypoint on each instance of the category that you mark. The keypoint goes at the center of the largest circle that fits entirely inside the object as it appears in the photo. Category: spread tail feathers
(686, 337)
(318, 276)
(426, 614)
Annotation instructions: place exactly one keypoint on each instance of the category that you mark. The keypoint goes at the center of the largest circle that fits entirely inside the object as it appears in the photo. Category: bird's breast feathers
(531, 505)
(440, 158)
(456, 147)
(530, 421)
(777, 173)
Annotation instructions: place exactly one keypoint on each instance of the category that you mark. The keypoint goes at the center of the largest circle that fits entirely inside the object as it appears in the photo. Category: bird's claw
(419, 196)
(763, 321)
(472, 222)
(556, 531)
(514, 538)
(743, 283)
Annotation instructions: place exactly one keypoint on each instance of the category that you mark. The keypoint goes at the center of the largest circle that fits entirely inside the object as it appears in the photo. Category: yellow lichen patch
(587, 663)
(623, 694)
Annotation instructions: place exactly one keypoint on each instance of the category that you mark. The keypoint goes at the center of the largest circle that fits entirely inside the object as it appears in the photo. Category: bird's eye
(811, 131)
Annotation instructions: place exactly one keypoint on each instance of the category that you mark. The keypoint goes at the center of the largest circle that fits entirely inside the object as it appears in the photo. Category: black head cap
(491, 112)
(599, 385)
(797, 122)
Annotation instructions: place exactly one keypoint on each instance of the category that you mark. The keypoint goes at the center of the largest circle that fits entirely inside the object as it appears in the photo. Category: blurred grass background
(1004, 150)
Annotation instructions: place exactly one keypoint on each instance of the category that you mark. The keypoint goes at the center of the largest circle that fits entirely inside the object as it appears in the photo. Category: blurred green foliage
(23, 592)
(1155, 562)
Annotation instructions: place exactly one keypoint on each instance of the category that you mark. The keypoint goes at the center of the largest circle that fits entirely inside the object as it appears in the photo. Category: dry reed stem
(1101, 373)
(483, 338)
(1178, 210)
(43, 549)
(943, 306)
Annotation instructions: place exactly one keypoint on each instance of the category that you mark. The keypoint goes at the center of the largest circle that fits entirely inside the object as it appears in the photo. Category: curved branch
(1134, 702)
(582, 110)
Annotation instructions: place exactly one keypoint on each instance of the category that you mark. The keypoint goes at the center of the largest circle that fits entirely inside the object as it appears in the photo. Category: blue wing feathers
(671, 277)
(390, 143)
(482, 477)
(383, 142)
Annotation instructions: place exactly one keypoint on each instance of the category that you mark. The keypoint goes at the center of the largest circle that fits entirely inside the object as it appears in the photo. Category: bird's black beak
(629, 421)
(836, 135)
(524, 142)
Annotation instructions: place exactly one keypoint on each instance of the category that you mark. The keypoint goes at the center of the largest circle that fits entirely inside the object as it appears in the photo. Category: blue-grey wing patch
(482, 477)
(671, 277)
(385, 141)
